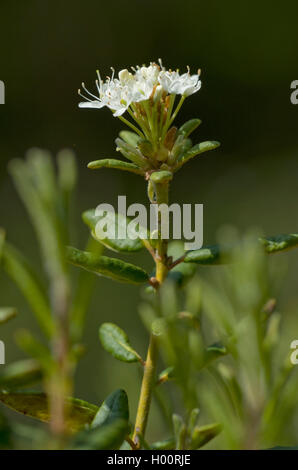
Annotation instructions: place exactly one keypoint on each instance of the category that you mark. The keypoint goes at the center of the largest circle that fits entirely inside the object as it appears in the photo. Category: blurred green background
(248, 55)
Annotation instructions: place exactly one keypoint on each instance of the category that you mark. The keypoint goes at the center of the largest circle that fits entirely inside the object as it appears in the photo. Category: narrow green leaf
(203, 434)
(67, 178)
(131, 153)
(166, 375)
(107, 267)
(213, 352)
(146, 148)
(193, 419)
(107, 437)
(43, 216)
(116, 342)
(283, 448)
(40, 165)
(6, 314)
(19, 270)
(161, 176)
(20, 374)
(206, 255)
(118, 223)
(218, 255)
(179, 431)
(130, 138)
(180, 147)
(188, 127)
(67, 171)
(197, 150)
(168, 444)
(180, 273)
(113, 408)
(115, 164)
(36, 406)
(279, 242)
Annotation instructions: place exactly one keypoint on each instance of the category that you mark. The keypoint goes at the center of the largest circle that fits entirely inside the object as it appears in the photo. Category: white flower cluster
(119, 93)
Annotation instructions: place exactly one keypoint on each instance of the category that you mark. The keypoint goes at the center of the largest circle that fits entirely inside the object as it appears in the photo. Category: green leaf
(116, 342)
(179, 431)
(193, 419)
(161, 176)
(166, 375)
(35, 405)
(67, 171)
(34, 183)
(41, 168)
(215, 254)
(107, 437)
(188, 127)
(109, 426)
(107, 267)
(146, 148)
(115, 164)
(197, 150)
(279, 242)
(213, 352)
(114, 407)
(109, 239)
(206, 255)
(19, 270)
(130, 138)
(203, 434)
(283, 448)
(6, 314)
(168, 444)
(180, 147)
(20, 374)
(183, 271)
(131, 153)
(67, 178)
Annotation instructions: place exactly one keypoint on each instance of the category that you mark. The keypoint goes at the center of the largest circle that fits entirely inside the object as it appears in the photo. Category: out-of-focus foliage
(222, 339)
(223, 380)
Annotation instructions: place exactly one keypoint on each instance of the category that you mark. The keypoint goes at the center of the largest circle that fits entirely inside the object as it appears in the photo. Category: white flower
(145, 79)
(152, 81)
(125, 77)
(174, 83)
(115, 94)
(148, 74)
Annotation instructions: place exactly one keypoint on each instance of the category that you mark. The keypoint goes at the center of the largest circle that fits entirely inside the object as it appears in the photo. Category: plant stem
(132, 126)
(146, 391)
(60, 381)
(149, 380)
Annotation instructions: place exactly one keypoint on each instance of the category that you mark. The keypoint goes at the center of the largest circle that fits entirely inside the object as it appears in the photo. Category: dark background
(248, 55)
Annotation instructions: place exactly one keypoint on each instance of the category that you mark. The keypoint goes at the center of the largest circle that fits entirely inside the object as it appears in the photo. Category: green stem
(132, 126)
(149, 377)
(140, 122)
(146, 391)
(177, 109)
